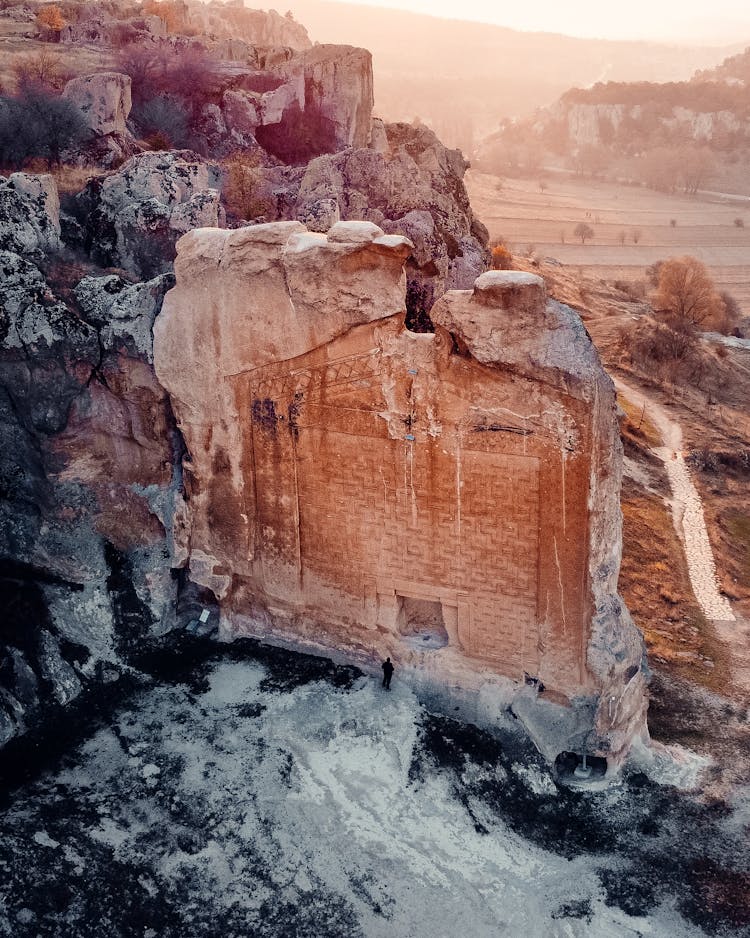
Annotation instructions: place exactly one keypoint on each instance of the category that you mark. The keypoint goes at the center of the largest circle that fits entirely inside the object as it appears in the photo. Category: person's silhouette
(387, 673)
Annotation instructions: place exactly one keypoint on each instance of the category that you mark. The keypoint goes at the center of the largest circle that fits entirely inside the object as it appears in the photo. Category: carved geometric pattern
(309, 380)
(368, 505)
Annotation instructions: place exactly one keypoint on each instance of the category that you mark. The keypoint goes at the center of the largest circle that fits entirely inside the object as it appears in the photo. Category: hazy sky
(717, 20)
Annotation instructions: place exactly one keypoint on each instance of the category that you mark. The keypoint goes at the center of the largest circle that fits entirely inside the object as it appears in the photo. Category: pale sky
(679, 20)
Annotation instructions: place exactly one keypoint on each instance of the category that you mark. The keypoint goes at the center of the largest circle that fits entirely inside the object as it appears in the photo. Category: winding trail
(687, 508)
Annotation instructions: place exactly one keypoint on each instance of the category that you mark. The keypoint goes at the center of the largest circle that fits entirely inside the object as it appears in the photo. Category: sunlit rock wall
(449, 499)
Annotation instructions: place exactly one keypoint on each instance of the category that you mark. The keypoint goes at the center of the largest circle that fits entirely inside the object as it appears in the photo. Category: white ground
(309, 795)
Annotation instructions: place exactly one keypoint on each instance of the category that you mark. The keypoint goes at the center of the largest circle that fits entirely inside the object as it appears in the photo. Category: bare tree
(583, 231)
(687, 293)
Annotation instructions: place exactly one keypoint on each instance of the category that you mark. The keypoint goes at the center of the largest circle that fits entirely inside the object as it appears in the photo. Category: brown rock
(450, 499)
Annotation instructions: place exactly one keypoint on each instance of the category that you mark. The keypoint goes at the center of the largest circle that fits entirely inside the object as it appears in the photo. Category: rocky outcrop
(450, 499)
(265, 28)
(409, 184)
(318, 101)
(597, 123)
(104, 100)
(29, 214)
(338, 86)
(244, 111)
(133, 217)
(87, 456)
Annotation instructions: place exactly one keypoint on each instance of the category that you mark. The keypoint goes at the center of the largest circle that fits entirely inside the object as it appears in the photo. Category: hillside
(463, 78)
(672, 136)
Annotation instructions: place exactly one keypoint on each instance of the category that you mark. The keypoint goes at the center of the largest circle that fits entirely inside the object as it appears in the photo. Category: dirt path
(687, 508)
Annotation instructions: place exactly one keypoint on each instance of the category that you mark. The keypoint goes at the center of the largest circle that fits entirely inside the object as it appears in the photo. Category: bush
(42, 69)
(245, 191)
(732, 311)
(163, 119)
(583, 232)
(739, 223)
(686, 292)
(50, 22)
(38, 125)
(502, 259)
(659, 350)
(652, 273)
(634, 289)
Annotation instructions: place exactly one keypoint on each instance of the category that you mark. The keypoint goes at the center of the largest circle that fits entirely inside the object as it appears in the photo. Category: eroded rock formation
(408, 183)
(133, 217)
(88, 466)
(450, 499)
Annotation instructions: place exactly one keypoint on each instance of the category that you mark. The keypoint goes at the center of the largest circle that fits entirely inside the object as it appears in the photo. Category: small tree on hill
(583, 231)
(688, 295)
(50, 22)
(42, 69)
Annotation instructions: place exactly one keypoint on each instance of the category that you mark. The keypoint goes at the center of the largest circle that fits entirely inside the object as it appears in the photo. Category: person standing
(387, 673)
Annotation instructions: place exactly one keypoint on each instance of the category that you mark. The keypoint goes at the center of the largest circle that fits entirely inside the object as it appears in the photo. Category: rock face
(450, 499)
(104, 100)
(338, 85)
(593, 124)
(29, 214)
(265, 28)
(322, 104)
(409, 184)
(134, 216)
(87, 470)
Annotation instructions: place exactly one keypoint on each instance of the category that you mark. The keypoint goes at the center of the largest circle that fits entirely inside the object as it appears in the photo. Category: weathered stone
(450, 499)
(240, 112)
(107, 152)
(411, 186)
(122, 312)
(135, 215)
(320, 215)
(87, 449)
(104, 99)
(233, 23)
(65, 684)
(29, 214)
(338, 85)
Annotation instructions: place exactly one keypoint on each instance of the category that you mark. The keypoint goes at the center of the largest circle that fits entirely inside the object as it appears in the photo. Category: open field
(523, 215)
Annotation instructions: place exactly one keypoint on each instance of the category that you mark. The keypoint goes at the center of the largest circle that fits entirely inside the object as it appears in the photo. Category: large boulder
(339, 85)
(335, 103)
(449, 499)
(104, 99)
(135, 215)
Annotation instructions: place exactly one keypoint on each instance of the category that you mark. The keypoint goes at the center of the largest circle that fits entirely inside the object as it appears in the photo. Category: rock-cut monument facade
(449, 499)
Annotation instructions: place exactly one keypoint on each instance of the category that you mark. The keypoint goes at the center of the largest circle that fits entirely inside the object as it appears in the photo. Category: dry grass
(704, 229)
(655, 585)
(72, 179)
(637, 424)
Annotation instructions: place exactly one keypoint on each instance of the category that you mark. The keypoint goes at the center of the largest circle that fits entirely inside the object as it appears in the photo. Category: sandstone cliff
(450, 499)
